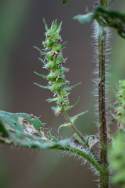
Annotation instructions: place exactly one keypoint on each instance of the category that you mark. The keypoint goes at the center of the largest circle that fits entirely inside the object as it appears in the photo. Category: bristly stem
(103, 140)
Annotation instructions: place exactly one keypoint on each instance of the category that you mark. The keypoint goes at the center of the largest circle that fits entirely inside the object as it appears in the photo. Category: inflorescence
(52, 57)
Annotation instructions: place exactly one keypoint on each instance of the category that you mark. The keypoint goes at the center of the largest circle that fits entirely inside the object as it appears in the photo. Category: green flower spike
(52, 57)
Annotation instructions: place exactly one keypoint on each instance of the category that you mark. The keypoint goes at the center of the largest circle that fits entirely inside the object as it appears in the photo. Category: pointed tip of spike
(45, 24)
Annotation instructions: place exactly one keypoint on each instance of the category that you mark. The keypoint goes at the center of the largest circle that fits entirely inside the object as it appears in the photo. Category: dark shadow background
(21, 28)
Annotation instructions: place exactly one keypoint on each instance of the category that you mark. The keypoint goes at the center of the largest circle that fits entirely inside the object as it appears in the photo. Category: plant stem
(79, 134)
(103, 140)
(86, 154)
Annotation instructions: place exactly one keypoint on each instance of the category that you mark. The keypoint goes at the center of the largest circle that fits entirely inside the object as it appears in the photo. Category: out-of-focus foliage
(118, 56)
(120, 103)
(12, 16)
(65, 1)
(117, 158)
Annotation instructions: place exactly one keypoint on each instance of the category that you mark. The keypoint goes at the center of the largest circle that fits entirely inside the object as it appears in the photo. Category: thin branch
(80, 135)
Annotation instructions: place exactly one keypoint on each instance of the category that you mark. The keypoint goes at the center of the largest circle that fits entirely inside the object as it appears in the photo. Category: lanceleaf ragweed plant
(53, 61)
(27, 130)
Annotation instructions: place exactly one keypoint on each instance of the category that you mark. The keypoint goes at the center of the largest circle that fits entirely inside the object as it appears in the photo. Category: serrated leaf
(21, 124)
(25, 130)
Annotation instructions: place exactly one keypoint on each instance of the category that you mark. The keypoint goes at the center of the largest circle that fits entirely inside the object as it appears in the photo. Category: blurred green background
(21, 28)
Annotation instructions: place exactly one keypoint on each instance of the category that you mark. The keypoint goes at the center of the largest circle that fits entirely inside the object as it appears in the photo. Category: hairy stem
(102, 111)
(85, 154)
(103, 141)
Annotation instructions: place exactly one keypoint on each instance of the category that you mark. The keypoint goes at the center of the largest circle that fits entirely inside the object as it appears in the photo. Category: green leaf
(73, 119)
(65, 1)
(64, 126)
(26, 130)
(119, 107)
(85, 18)
(105, 18)
(111, 18)
(117, 158)
(21, 128)
(3, 131)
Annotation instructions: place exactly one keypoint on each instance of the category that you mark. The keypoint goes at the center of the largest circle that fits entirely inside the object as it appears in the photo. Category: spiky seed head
(53, 59)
